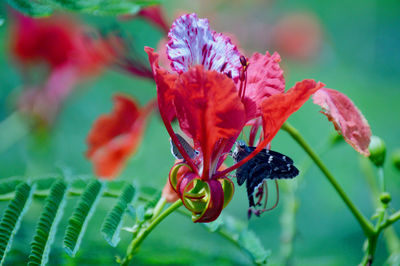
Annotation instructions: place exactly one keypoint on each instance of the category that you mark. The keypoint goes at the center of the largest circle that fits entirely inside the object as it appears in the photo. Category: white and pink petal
(192, 42)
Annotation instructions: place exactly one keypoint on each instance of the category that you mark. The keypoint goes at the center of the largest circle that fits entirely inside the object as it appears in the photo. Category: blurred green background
(356, 52)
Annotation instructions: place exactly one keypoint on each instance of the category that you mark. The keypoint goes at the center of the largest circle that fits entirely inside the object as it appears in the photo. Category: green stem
(159, 207)
(392, 219)
(134, 245)
(389, 234)
(381, 179)
(365, 224)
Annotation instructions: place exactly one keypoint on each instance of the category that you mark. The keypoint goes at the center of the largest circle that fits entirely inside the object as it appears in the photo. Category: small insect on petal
(189, 150)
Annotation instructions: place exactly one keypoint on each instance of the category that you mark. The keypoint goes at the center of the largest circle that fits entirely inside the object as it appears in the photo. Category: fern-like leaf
(12, 217)
(47, 225)
(113, 221)
(81, 216)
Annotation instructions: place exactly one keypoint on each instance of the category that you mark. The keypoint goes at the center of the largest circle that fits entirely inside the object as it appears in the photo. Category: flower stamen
(243, 77)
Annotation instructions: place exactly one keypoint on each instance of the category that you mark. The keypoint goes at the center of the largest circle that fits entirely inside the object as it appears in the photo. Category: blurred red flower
(64, 49)
(115, 137)
(298, 36)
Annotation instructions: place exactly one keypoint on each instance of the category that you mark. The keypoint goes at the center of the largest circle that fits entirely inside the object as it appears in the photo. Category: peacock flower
(214, 92)
(115, 137)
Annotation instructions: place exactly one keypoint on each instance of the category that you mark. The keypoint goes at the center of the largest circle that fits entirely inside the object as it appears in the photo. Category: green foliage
(12, 217)
(31, 8)
(95, 7)
(81, 215)
(9, 185)
(252, 244)
(240, 235)
(47, 225)
(113, 221)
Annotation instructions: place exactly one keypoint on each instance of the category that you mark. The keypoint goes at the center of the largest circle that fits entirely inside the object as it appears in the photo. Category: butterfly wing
(265, 165)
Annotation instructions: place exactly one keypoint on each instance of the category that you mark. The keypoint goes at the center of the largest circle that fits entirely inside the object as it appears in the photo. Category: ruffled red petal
(208, 109)
(264, 78)
(116, 136)
(346, 118)
(277, 108)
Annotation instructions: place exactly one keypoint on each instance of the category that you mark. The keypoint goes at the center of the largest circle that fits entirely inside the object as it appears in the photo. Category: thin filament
(277, 198)
(177, 143)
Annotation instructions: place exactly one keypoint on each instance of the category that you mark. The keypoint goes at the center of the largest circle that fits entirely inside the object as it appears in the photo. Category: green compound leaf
(47, 225)
(81, 215)
(12, 217)
(113, 221)
(238, 233)
(252, 244)
(41, 8)
(31, 7)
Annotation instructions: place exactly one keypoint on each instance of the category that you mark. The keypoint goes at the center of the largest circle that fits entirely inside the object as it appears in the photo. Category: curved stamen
(254, 131)
(243, 76)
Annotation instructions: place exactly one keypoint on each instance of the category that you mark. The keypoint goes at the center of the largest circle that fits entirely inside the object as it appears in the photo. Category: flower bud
(377, 149)
(385, 198)
(396, 159)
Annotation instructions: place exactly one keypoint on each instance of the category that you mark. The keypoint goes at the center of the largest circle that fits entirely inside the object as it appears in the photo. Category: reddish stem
(177, 143)
(253, 132)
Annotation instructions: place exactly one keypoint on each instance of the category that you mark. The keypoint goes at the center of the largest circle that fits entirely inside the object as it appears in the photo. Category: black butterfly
(266, 164)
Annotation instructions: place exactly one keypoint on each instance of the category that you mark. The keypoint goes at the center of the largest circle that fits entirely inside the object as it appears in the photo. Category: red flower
(214, 93)
(115, 137)
(63, 48)
(212, 102)
(298, 36)
(57, 41)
